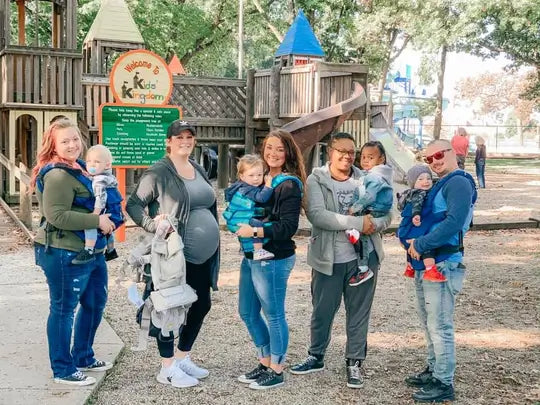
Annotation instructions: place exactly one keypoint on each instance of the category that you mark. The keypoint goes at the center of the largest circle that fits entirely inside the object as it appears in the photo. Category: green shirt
(56, 204)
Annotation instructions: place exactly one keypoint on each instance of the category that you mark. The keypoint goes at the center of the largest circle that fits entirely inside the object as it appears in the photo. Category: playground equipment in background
(310, 129)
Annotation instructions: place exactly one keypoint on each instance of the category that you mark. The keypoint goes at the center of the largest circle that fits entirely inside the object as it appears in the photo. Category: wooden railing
(305, 89)
(25, 198)
(40, 76)
(96, 91)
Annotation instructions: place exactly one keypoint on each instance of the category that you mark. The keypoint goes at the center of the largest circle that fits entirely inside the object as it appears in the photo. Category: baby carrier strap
(280, 178)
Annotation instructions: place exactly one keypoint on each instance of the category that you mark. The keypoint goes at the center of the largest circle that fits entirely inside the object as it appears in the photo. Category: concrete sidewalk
(25, 373)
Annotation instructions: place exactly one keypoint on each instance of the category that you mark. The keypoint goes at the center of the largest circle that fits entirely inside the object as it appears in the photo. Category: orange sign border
(100, 120)
(139, 51)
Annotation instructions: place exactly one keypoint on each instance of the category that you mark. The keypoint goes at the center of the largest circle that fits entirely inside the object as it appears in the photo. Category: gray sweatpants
(326, 292)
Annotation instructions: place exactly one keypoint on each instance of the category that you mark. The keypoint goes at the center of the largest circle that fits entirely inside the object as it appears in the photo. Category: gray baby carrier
(168, 303)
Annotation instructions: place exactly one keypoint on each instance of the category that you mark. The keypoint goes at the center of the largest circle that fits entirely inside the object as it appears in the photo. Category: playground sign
(141, 77)
(136, 135)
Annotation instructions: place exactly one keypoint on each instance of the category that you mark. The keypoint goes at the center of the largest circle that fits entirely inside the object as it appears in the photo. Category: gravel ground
(497, 335)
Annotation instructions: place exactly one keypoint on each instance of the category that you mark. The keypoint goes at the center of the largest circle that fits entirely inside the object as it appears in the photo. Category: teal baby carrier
(241, 210)
(114, 199)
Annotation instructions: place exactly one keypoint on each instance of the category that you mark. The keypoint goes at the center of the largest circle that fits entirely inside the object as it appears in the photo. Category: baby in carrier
(373, 196)
(241, 196)
(99, 167)
(420, 180)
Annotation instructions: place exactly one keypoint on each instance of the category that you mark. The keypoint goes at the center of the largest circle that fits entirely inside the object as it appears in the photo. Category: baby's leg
(90, 238)
(428, 262)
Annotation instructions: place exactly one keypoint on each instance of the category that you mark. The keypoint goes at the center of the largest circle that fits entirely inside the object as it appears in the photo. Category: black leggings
(198, 277)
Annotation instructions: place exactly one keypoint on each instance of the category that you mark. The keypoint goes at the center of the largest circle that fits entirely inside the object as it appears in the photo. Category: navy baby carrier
(241, 209)
(407, 230)
(114, 199)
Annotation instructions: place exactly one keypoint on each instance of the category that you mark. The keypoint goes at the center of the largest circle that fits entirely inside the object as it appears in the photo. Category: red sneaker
(433, 274)
(409, 271)
(353, 235)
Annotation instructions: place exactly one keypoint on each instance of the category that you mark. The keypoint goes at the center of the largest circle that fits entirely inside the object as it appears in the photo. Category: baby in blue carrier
(242, 196)
(374, 196)
(411, 203)
(99, 167)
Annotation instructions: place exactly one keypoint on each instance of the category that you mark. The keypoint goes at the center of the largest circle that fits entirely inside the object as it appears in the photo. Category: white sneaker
(190, 368)
(174, 376)
(262, 254)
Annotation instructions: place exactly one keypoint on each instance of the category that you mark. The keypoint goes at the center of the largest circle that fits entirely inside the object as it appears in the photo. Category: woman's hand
(105, 224)
(245, 231)
(368, 227)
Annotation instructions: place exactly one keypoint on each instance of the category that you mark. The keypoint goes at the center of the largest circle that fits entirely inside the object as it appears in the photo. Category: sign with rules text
(136, 135)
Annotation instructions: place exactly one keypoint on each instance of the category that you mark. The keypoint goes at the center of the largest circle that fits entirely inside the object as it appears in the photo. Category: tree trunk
(392, 37)
(440, 88)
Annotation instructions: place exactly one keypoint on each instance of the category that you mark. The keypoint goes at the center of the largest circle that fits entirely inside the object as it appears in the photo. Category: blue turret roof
(300, 39)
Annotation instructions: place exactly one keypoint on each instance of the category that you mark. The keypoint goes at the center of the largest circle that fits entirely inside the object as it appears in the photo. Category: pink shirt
(460, 144)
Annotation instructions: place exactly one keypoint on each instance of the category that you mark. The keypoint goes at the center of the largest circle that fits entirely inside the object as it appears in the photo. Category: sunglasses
(436, 156)
(351, 153)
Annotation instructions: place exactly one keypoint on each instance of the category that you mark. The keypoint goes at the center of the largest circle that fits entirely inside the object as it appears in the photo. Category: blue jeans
(263, 285)
(69, 285)
(435, 306)
(480, 170)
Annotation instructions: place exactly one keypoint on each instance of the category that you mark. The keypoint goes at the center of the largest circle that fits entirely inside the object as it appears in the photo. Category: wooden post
(275, 78)
(223, 165)
(21, 18)
(25, 200)
(120, 234)
(250, 130)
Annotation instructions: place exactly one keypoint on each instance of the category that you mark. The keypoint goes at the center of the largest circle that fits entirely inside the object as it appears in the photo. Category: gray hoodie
(322, 212)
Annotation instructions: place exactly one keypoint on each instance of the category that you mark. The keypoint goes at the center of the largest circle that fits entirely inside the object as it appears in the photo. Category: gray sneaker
(354, 378)
(310, 365)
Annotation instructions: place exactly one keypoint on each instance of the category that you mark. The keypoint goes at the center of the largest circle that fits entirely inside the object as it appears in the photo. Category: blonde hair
(479, 140)
(102, 150)
(247, 162)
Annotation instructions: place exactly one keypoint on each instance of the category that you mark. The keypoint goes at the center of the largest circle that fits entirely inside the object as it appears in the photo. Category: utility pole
(240, 37)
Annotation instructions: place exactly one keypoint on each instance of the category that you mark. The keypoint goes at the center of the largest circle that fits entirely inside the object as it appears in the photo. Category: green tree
(509, 27)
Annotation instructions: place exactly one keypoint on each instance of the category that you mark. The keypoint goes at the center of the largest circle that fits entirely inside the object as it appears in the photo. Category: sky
(458, 66)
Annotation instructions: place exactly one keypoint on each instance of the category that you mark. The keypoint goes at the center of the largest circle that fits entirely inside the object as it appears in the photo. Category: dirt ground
(497, 324)
(497, 319)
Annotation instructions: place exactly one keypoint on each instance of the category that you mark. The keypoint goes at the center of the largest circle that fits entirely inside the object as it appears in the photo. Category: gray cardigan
(322, 212)
(162, 191)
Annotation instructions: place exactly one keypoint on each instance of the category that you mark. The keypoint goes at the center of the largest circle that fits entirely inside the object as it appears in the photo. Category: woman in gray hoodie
(179, 187)
(330, 191)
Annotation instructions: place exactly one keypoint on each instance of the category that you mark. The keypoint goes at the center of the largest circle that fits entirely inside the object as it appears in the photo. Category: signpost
(134, 128)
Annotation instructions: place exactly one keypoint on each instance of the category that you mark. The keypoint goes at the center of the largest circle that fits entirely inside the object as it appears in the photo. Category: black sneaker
(435, 391)
(83, 257)
(354, 378)
(310, 365)
(111, 255)
(253, 375)
(77, 378)
(421, 379)
(268, 379)
(98, 365)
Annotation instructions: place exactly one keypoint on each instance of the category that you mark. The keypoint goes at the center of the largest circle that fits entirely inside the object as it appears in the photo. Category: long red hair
(47, 153)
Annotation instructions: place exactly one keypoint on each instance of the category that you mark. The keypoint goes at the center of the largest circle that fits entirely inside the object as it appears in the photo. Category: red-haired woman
(63, 191)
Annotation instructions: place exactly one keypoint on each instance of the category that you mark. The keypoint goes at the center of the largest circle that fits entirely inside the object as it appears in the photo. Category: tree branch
(264, 15)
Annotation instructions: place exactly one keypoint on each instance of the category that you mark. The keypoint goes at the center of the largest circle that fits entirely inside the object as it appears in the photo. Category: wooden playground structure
(42, 82)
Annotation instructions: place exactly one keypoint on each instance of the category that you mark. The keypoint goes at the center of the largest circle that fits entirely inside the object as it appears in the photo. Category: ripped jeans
(69, 285)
